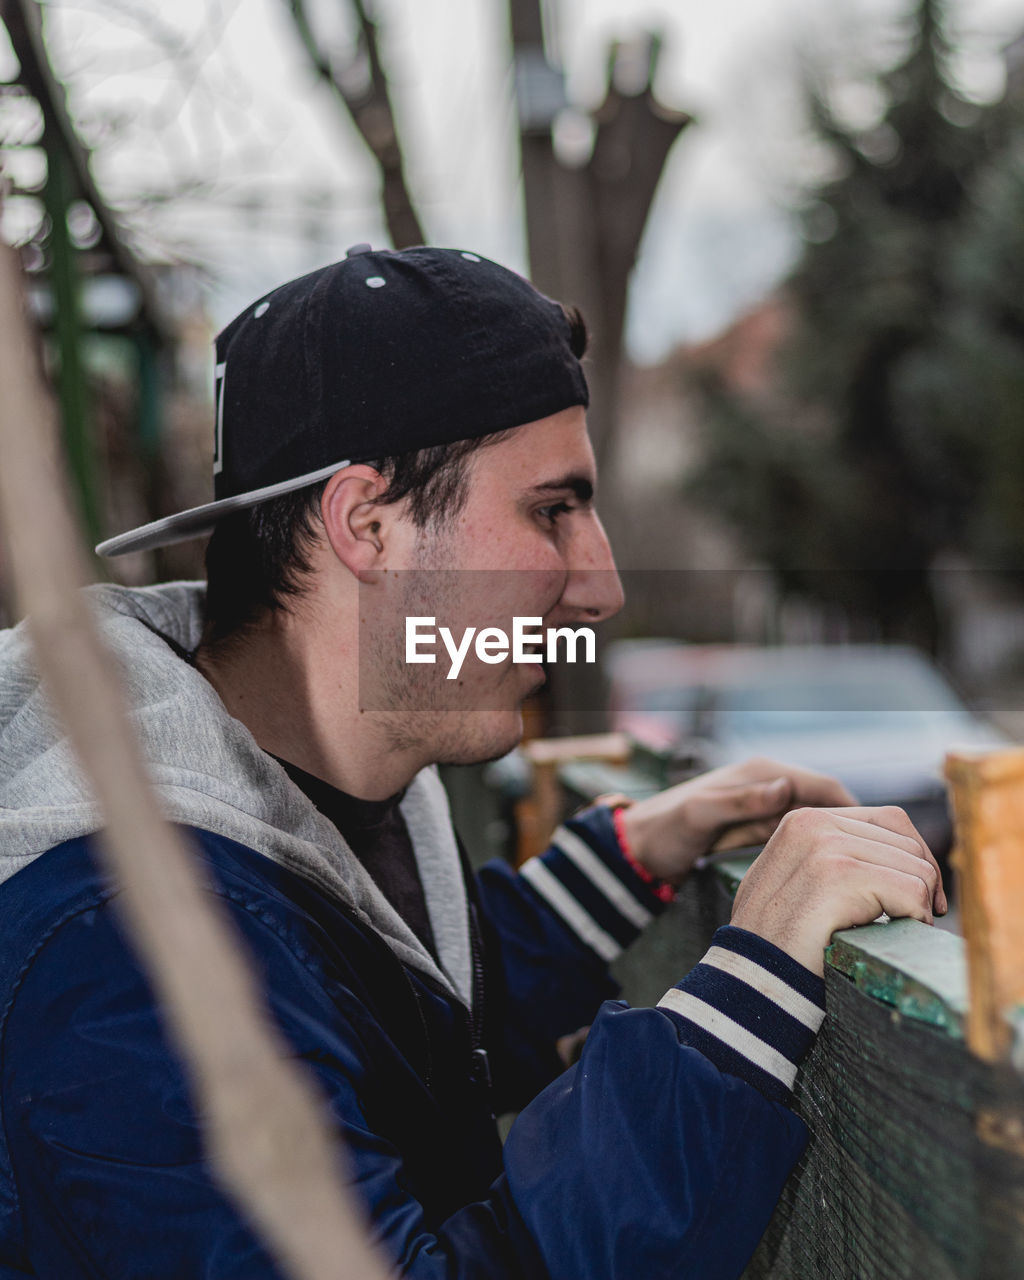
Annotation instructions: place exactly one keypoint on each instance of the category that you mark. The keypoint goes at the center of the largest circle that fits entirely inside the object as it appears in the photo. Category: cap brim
(199, 521)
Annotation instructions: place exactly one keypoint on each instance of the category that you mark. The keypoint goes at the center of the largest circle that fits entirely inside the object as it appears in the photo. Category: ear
(353, 523)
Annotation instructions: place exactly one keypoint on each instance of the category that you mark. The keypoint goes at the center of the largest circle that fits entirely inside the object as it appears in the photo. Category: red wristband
(660, 888)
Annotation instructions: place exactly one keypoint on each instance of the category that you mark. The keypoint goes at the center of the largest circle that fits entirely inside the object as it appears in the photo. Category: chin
(485, 735)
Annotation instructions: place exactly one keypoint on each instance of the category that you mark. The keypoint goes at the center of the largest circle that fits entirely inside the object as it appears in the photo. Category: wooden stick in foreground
(265, 1125)
(988, 802)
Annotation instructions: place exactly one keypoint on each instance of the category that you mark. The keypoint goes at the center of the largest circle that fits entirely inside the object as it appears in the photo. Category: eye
(552, 513)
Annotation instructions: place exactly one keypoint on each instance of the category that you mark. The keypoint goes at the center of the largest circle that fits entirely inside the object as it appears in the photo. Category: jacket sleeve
(551, 929)
(663, 1151)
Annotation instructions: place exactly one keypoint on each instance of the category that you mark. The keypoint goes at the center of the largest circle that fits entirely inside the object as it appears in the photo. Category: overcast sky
(219, 91)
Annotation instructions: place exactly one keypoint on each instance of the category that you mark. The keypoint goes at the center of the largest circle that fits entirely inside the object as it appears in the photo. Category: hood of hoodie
(209, 773)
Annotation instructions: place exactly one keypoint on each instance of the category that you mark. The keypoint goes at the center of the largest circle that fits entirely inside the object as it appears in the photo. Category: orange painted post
(988, 804)
(539, 813)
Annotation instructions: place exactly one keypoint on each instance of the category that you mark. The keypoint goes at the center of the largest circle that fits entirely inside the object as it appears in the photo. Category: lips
(539, 677)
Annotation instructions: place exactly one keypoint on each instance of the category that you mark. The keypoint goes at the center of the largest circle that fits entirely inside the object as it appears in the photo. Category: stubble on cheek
(403, 697)
(475, 716)
(472, 718)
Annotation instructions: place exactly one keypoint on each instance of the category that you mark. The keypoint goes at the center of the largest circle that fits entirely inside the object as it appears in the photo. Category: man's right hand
(829, 869)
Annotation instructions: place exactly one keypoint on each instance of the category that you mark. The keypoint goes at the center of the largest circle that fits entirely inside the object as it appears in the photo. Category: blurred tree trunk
(584, 224)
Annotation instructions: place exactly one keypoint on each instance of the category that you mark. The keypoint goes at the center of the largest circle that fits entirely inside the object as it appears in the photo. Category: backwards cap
(380, 354)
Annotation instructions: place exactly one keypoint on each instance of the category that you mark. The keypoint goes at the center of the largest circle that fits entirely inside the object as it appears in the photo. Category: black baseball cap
(380, 354)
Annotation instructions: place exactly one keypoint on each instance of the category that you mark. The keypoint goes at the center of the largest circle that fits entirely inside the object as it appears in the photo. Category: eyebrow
(581, 486)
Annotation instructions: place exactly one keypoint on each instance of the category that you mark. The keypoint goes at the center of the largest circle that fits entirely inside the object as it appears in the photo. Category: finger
(713, 808)
(809, 787)
(759, 831)
(880, 853)
(899, 894)
(818, 790)
(745, 834)
(879, 825)
(895, 823)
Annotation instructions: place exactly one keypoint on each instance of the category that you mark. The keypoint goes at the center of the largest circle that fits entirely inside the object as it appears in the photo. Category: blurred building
(688, 574)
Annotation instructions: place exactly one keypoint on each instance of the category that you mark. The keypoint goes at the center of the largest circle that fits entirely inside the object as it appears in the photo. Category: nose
(593, 590)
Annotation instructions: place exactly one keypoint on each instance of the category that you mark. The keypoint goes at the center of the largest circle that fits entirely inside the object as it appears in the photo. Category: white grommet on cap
(471, 257)
(261, 310)
(357, 249)
(376, 282)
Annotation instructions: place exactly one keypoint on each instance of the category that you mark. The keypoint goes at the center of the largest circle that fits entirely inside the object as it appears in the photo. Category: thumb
(720, 807)
(775, 795)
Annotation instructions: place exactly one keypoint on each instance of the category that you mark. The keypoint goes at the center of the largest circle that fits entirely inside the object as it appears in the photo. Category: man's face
(526, 543)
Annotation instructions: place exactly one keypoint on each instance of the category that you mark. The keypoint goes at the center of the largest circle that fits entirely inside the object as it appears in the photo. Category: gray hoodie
(209, 773)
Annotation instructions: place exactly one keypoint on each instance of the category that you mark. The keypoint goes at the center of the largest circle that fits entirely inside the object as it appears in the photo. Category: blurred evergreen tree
(966, 389)
(873, 455)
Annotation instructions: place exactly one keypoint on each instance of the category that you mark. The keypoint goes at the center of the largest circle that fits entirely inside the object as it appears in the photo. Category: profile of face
(526, 543)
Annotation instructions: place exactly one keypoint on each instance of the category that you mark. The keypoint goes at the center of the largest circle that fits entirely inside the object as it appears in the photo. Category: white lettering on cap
(220, 379)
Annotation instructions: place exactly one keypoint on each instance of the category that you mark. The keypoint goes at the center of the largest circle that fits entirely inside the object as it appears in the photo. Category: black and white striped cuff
(584, 879)
(751, 1009)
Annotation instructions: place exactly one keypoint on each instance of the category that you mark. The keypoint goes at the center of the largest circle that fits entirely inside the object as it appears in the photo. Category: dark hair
(256, 559)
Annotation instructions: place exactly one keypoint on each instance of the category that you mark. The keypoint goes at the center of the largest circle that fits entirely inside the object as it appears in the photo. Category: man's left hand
(727, 808)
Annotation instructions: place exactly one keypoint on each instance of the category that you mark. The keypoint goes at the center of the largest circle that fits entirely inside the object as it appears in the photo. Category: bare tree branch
(363, 88)
(265, 1124)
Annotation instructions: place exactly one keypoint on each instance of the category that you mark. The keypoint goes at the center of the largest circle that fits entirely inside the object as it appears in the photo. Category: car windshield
(853, 700)
(678, 700)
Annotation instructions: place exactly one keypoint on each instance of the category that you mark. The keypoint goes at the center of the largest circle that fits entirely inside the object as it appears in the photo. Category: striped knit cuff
(751, 1009)
(584, 879)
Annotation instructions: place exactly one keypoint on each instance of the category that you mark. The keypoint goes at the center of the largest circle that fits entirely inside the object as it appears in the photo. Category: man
(399, 435)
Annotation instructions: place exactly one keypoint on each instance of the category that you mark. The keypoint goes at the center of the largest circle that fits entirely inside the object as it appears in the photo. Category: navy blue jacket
(661, 1153)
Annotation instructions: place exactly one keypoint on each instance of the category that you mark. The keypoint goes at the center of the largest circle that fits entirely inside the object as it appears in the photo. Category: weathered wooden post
(988, 801)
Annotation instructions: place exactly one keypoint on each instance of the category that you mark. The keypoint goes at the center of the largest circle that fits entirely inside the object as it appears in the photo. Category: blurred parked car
(878, 717)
